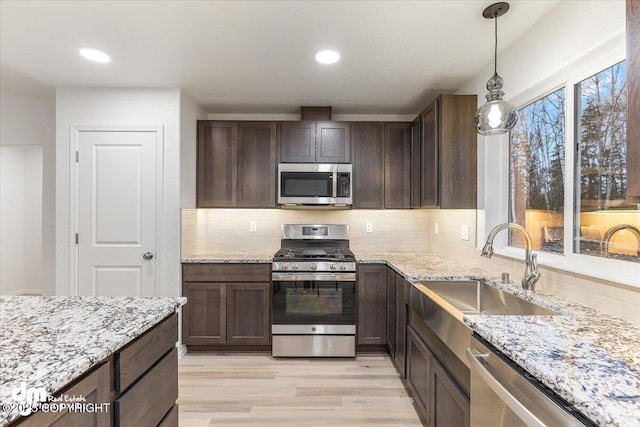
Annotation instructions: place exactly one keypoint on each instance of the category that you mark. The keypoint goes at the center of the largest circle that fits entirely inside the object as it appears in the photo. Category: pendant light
(496, 116)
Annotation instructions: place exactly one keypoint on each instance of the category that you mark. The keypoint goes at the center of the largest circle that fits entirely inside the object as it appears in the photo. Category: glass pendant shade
(496, 116)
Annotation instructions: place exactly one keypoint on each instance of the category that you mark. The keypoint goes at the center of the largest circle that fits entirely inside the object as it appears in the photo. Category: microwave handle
(334, 185)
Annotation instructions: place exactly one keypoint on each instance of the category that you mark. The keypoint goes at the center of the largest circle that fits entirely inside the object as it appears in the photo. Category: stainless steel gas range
(314, 293)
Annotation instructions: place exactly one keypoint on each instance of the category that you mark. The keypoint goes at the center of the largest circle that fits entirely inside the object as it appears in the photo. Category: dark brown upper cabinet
(236, 164)
(217, 164)
(448, 153)
(256, 164)
(368, 165)
(315, 142)
(397, 165)
(633, 101)
(416, 160)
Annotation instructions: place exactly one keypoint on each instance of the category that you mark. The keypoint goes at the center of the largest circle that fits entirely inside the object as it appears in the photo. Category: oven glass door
(306, 184)
(314, 302)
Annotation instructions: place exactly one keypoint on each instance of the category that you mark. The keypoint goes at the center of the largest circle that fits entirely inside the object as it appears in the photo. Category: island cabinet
(633, 101)
(437, 379)
(367, 149)
(228, 306)
(236, 164)
(314, 142)
(371, 328)
(135, 386)
(94, 388)
(448, 153)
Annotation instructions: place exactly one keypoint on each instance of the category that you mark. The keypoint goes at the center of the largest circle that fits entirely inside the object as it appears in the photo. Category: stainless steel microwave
(314, 185)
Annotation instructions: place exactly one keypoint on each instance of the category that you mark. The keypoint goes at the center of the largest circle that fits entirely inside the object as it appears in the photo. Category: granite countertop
(230, 257)
(590, 359)
(51, 341)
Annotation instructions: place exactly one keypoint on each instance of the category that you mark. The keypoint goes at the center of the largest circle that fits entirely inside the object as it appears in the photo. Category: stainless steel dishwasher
(504, 395)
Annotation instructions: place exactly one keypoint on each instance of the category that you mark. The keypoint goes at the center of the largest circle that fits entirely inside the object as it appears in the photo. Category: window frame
(496, 203)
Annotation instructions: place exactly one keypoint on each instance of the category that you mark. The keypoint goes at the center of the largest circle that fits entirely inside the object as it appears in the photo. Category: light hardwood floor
(258, 390)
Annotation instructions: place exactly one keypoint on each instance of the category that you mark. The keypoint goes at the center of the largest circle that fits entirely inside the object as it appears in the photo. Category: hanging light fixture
(496, 116)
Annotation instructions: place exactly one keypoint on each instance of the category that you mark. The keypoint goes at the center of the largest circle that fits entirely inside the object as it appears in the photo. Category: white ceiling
(258, 56)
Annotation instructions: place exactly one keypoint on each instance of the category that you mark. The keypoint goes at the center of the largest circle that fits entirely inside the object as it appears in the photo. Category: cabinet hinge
(77, 238)
(77, 156)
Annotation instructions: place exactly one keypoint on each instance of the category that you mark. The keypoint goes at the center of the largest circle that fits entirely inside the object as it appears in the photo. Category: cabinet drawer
(171, 419)
(147, 402)
(135, 359)
(226, 272)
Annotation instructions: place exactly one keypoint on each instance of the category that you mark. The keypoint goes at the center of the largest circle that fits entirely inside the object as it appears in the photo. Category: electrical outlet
(368, 227)
(464, 232)
(435, 228)
(253, 226)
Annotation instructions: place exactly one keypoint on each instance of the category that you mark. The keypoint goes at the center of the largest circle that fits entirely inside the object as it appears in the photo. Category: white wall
(190, 112)
(156, 107)
(27, 119)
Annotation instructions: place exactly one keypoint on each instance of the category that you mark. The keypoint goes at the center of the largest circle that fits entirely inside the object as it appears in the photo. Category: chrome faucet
(604, 244)
(531, 273)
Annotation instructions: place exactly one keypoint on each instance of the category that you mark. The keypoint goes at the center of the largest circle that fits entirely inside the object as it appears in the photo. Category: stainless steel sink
(471, 296)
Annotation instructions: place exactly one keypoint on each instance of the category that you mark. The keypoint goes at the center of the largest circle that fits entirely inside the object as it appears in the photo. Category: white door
(117, 212)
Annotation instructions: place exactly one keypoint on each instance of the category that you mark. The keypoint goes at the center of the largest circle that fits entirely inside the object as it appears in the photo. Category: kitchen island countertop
(589, 358)
(49, 342)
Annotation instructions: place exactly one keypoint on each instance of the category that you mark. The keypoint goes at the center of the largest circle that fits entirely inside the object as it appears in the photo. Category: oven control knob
(314, 266)
(284, 266)
(294, 266)
(343, 267)
(332, 266)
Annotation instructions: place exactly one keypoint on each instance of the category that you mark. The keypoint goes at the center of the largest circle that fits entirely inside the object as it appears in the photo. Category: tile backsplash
(228, 230)
(214, 230)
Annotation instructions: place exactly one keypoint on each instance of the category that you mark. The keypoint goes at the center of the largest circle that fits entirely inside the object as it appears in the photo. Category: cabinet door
(95, 389)
(217, 164)
(248, 313)
(391, 312)
(449, 406)
(297, 142)
(458, 152)
(257, 164)
(368, 165)
(419, 373)
(397, 165)
(333, 142)
(416, 169)
(429, 156)
(204, 316)
(372, 305)
(402, 314)
(633, 101)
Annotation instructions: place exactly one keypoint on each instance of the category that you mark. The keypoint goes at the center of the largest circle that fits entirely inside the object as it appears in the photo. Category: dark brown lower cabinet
(440, 402)
(227, 305)
(371, 328)
(391, 312)
(449, 406)
(135, 386)
(419, 373)
(95, 389)
(401, 320)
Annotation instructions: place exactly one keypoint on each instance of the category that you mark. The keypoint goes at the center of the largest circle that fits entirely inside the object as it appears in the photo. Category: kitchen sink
(475, 297)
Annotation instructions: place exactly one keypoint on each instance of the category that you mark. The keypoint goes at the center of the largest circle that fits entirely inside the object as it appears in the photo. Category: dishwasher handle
(500, 390)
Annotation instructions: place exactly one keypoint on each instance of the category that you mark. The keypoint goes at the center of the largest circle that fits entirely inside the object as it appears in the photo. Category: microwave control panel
(344, 184)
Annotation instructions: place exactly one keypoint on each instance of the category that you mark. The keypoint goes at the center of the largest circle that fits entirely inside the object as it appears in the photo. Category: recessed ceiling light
(327, 57)
(95, 55)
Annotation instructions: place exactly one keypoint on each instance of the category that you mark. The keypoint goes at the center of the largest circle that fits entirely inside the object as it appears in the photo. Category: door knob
(147, 255)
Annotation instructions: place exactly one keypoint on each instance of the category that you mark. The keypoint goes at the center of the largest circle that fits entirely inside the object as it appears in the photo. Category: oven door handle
(320, 277)
(474, 357)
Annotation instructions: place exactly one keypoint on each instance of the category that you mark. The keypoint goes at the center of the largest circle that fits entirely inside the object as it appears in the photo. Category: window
(605, 224)
(536, 199)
